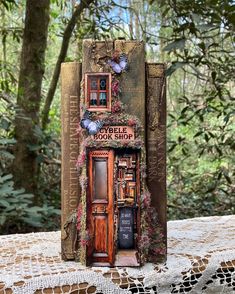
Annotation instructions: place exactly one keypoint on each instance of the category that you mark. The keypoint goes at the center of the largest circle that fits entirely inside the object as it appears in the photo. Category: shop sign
(124, 133)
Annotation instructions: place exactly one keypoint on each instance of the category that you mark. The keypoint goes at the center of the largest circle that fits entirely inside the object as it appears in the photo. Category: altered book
(113, 156)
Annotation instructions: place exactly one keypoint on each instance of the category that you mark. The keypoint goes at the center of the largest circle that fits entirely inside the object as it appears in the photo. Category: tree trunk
(63, 52)
(27, 131)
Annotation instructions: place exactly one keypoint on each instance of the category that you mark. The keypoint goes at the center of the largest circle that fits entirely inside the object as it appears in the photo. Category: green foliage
(201, 174)
(201, 114)
(196, 39)
(17, 212)
(8, 4)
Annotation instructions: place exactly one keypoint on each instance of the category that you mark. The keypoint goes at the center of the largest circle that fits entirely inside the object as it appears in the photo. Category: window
(98, 91)
(100, 177)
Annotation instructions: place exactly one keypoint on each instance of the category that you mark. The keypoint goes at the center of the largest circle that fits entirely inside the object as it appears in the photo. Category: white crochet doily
(201, 259)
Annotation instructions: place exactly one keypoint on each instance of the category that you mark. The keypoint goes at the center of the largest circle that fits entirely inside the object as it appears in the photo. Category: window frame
(95, 193)
(107, 91)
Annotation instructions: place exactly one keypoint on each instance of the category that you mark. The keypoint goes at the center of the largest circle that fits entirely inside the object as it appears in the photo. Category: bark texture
(25, 167)
(63, 52)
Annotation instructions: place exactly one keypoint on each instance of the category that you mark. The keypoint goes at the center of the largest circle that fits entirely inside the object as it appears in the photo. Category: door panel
(101, 235)
(100, 207)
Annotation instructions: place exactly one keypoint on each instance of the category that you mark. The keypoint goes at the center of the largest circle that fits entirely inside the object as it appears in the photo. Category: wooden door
(100, 209)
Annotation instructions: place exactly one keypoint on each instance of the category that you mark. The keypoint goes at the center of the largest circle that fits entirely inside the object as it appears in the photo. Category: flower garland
(150, 242)
(81, 211)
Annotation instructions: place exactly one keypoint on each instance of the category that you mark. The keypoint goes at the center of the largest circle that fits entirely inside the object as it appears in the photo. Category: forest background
(196, 40)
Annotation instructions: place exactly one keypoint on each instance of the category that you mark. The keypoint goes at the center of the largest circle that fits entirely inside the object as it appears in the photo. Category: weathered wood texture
(70, 190)
(156, 138)
(95, 55)
(133, 81)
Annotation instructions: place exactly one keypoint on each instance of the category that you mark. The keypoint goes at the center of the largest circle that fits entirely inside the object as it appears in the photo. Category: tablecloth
(200, 259)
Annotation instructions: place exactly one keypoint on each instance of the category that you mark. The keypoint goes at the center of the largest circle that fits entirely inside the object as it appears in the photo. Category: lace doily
(201, 259)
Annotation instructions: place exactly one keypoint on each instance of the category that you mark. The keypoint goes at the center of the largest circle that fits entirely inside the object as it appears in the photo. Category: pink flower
(115, 88)
(146, 199)
(117, 106)
(81, 160)
(84, 242)
(131, 122)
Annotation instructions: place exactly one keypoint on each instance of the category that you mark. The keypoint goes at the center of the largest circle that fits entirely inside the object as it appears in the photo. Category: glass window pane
(94, 84)
(103, 99)
(100, 177)
(103, 84)
(93, 98)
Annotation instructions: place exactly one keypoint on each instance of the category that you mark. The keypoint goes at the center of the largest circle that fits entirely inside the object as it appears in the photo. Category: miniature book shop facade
(113, 156)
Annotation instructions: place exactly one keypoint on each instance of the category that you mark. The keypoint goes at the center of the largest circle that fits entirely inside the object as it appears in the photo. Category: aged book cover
(70, 96)
(156, 138)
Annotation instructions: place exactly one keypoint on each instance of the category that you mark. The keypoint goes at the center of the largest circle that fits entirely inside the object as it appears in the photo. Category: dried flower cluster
(115, 88)
(152, 243)
(81, 160)
(117, 106)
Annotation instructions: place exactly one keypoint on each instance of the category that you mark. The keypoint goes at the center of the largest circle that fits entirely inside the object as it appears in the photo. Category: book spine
(156, 139)
(70, 190)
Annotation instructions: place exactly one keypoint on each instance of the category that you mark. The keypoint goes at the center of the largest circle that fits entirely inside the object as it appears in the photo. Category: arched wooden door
(100, 207)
